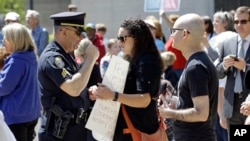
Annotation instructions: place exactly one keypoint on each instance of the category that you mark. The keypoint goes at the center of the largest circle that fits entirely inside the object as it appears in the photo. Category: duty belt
(81, 116)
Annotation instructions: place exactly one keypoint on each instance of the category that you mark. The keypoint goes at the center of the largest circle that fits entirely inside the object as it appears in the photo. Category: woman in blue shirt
(19, 95)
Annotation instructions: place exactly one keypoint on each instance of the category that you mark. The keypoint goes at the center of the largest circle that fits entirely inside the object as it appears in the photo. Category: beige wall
(47, 8)
(113, 12)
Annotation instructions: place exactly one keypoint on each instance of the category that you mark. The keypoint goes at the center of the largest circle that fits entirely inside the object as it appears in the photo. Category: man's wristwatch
(116, 96)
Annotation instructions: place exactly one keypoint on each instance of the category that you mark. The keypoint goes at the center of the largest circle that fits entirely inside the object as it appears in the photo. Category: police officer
(63, 83)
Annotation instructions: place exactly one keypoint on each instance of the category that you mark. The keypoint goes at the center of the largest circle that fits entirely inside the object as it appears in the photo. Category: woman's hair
(3, 55)
(207, 20)
(143, 39)
(158, 32)
(227, 18)
(157, 24)
(173, 17)
(19, 37)
(111, 42)
(168, 58)
(101, 27)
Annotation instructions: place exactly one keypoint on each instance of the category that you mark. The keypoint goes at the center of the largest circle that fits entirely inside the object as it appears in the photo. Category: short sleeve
(197, 77)
(56, 70)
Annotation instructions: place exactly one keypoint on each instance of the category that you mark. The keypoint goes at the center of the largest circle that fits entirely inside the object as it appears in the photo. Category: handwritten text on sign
(103, 118)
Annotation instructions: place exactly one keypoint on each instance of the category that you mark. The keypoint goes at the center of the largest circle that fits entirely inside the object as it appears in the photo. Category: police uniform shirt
(55, 67)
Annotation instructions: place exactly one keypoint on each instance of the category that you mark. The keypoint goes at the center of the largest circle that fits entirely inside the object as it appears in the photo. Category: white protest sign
(5, 132)
(103, 117)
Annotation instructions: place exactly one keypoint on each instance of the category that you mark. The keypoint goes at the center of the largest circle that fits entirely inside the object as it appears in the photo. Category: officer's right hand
(91, 53)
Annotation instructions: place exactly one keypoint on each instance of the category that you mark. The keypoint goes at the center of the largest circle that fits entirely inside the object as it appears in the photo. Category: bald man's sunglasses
(173, 30)
(241, 21)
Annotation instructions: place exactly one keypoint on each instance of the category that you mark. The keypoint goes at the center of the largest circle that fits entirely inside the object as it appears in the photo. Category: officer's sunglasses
(78, 32)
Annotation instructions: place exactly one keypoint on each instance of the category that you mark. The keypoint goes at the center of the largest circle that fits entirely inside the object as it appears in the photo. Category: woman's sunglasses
(122, 38)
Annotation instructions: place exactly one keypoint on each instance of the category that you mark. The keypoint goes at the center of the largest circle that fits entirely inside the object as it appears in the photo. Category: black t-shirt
(55, 67)
(144, 76)
(198, 78)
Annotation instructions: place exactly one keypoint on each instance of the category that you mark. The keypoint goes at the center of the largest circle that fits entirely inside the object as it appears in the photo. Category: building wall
(47, 8)
(113, 12)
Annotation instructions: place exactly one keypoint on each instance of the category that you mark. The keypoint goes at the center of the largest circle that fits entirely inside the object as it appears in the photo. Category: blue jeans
(221, 133)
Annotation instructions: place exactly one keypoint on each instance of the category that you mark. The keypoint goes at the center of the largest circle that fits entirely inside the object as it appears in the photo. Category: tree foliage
(13, 5)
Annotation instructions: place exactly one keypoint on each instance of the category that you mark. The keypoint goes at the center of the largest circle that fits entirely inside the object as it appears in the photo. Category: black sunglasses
(173, 30)
(123, 38)
(241, 21)
(77, 31)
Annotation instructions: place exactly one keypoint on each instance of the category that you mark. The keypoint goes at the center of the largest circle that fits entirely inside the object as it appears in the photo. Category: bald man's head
(193, 23)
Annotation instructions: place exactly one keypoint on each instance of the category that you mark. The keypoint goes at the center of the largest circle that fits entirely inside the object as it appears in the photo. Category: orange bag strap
(161, 122)
(134, 132)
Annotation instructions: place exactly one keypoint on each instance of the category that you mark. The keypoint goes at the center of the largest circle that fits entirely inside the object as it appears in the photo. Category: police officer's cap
(75, 19)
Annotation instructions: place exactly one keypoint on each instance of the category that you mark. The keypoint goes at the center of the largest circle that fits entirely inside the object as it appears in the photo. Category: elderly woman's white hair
(32, 13)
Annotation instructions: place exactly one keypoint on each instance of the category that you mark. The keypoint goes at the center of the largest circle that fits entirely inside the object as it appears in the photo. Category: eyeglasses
(241, 21)
(78, 32)
(173, 30)
(123, 38)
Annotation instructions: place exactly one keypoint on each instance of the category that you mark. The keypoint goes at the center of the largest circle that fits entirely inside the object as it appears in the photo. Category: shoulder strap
(134, 132)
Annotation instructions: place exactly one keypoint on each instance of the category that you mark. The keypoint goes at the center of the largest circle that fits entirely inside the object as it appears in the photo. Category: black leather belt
(238, 95)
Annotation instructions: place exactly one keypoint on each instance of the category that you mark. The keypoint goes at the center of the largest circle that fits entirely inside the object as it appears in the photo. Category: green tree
(13, 5)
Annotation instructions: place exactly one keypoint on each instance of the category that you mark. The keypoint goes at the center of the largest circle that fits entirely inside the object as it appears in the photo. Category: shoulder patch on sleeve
(59, 62)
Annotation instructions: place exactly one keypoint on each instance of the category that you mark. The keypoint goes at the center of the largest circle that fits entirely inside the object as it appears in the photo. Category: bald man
(195, 115)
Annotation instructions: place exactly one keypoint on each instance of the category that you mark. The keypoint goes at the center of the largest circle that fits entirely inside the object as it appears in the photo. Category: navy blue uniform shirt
(55, 67)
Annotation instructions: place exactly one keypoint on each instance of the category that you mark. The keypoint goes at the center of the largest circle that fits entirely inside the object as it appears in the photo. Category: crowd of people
(196, 80)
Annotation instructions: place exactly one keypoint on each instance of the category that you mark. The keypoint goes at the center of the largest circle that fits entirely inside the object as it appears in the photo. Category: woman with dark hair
(209, 28)
(142, 83)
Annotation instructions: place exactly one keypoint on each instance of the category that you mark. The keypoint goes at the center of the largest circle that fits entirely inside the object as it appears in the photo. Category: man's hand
(245, 108)
(223, 122)
(228, 61)
(240, 64)
(91, 52)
